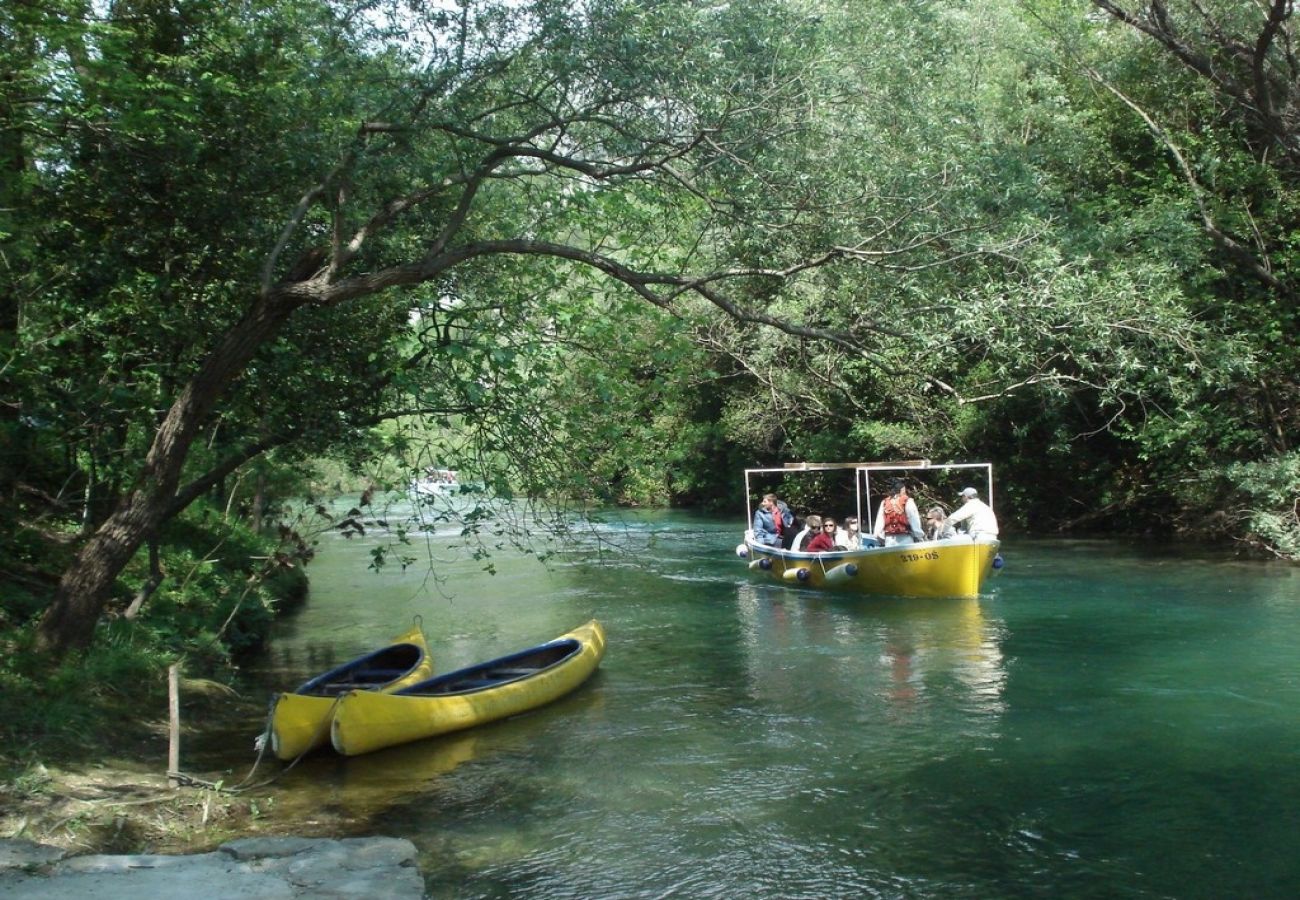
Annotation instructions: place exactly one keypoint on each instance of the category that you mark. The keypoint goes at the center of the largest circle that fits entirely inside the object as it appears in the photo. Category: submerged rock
(249, 869)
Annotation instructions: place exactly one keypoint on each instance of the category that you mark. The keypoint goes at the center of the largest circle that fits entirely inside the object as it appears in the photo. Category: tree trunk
(84, 588)
(87, 583)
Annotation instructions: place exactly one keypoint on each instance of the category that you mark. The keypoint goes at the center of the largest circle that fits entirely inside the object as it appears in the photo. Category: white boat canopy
(862, 472)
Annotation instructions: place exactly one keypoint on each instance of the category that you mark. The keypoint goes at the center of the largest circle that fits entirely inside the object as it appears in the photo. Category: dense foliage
(619, 250)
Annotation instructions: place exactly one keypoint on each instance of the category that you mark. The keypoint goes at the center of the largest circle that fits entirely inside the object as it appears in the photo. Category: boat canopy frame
(862, 478)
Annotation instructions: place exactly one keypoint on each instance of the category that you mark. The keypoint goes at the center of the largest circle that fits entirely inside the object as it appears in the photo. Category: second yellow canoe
(300, 719)
(366, 721)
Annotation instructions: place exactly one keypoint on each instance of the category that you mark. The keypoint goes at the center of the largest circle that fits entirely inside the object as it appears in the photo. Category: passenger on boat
(812, 525)
(773, 522)
(823, 540)
(937, 527)
(897, 520)
(849, 537)
(975, 516)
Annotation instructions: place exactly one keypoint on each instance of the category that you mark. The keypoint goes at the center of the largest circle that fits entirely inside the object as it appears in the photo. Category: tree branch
(1235, 248)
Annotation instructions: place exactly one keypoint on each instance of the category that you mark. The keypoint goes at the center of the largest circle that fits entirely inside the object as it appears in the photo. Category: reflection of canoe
(404, 770)
(366, 721)
(300, 719)
(951, 568)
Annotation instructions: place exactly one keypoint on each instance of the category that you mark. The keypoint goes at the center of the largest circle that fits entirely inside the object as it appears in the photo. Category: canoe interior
(495, 672)
(374, 670)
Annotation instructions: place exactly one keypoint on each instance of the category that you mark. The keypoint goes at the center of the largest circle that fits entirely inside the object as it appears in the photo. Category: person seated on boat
(824, 540)
(974, 516)
(897, 520)
(936, 525)
(773, 522)
(849, 537)
(811, 526)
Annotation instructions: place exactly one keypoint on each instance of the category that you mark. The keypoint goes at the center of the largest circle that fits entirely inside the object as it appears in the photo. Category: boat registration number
(917, 557)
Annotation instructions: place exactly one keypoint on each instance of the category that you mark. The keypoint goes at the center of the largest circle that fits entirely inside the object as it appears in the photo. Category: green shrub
(1267, 496)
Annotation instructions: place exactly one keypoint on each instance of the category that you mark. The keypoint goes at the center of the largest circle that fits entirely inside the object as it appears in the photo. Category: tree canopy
(617, 249)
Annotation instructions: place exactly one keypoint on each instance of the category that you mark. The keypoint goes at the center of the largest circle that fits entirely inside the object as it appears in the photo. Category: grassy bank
(83, 744)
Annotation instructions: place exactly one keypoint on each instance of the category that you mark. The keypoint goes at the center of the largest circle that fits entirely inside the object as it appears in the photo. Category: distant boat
(300, 719)
(955, 567)
(436, 483)
(366, 721)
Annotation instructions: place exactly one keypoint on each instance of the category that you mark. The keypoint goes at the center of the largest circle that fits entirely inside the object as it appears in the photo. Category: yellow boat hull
(953, 568)
(300, 720)
(366, 721)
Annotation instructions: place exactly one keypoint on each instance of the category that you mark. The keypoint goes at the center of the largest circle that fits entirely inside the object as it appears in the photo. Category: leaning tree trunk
(87, 583)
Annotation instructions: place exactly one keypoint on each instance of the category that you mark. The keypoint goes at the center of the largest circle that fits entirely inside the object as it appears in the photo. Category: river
(1107, 720)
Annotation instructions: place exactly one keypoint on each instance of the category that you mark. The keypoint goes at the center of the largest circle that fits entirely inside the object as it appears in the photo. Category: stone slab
(246, 869)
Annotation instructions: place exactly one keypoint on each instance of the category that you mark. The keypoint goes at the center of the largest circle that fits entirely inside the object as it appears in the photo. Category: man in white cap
(975, 516)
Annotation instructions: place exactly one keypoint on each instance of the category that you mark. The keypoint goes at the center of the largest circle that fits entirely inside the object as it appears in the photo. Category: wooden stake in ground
(174, 733)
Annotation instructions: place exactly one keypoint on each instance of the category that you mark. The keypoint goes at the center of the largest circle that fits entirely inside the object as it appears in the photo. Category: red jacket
(820, 542)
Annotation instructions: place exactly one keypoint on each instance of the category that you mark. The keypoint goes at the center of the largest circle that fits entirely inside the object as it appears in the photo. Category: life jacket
(896, 516)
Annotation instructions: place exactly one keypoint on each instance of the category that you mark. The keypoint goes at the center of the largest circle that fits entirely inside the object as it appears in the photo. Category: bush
(1267, 497)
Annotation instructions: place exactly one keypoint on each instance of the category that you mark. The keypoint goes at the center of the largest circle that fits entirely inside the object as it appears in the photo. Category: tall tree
(515, 131)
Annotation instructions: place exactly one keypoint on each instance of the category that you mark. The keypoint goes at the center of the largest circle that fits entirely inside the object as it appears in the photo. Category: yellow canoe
(300, 719)
(366, 721)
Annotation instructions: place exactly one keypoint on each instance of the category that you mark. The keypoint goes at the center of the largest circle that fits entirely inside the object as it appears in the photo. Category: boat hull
(366, 721)
(952, 568)
(300, 720)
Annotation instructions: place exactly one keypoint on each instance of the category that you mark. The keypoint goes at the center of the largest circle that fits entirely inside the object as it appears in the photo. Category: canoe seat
(381, 675)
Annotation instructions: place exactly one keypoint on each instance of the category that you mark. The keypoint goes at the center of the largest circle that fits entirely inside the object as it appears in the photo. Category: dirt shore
(117, 809)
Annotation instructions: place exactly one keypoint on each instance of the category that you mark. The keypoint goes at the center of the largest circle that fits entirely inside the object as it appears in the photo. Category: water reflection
(371, 782)
(865, 653)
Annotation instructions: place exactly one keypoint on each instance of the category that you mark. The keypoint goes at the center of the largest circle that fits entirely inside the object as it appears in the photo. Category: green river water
(1108, 720)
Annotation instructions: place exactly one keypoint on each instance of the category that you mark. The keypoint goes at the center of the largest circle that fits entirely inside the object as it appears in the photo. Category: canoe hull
(300, 720)
(953, 568)
(366, 721)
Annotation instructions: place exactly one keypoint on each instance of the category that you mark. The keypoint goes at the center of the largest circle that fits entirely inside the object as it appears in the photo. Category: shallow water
(1106, 721)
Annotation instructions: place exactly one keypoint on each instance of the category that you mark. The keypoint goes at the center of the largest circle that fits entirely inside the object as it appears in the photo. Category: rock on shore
(248, 869)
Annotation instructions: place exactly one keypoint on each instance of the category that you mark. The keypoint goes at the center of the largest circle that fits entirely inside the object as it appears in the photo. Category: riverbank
(265, 868)
(119, 808)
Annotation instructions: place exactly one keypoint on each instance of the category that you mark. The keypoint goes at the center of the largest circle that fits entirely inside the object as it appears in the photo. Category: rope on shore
(263, 741)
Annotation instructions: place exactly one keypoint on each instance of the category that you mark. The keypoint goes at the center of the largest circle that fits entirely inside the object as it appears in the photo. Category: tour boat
(435, 483)
(366, 721)
(954, 567)
(300, 719)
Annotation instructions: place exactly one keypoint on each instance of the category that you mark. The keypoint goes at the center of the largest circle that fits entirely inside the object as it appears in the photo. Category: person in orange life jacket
(897, 520)
(773, 521)
(824, 539)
